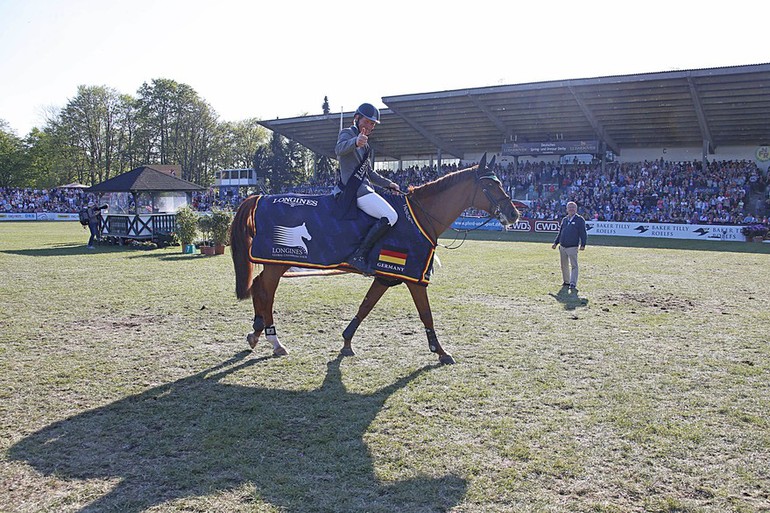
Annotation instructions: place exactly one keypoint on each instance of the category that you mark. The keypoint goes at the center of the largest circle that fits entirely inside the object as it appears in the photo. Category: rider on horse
(356, 178)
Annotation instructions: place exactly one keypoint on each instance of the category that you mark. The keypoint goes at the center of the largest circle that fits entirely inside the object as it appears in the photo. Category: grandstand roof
(693, 108)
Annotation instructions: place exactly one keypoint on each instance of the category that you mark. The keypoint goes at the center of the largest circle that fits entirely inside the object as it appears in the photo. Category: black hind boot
(358, 259)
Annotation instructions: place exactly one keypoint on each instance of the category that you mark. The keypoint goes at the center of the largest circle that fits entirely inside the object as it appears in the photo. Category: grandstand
(688, 146)
(706, 114)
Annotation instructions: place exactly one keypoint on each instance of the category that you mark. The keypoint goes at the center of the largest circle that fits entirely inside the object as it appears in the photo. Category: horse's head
(302, 232)
(495, 200)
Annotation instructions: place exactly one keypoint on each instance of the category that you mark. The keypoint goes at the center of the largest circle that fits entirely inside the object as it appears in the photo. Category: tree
(241, 140)
(13, 158)
(128, 119)
(175, 126)
(289, 162)
(300, 162)
(58, 144)
(47, 167)
(101, 133)
(325, 169)
(279, 177)
(261, 162)
(90, 122)
(156, 111)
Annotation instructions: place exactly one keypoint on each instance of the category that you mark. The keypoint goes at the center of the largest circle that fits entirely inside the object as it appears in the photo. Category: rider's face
(366, 125)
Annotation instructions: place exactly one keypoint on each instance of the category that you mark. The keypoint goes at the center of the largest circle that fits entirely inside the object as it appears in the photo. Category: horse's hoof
(347, 351)
(252, 340)
(281, 351)
(446, 359)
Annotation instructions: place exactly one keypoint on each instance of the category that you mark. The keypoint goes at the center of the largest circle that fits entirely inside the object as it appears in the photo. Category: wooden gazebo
(142, 203)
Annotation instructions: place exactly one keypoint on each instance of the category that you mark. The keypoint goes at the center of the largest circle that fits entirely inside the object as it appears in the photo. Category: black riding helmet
(368, 111)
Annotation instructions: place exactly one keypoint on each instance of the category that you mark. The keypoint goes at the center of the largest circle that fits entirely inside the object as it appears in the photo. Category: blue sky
(280, 58)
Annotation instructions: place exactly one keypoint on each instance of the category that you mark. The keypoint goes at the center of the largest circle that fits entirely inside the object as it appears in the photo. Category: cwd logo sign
(522, 225)
(547, 226)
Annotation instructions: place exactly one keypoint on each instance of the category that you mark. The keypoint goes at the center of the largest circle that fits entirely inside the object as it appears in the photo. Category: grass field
(126, 384)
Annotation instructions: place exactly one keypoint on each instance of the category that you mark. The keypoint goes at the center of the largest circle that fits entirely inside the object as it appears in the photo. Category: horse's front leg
(373, 295)
(420, 298)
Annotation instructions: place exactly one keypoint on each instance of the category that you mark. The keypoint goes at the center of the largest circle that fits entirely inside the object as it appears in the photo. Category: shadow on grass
(58, 250)
(170, 257)
(301, 451)
(569, 298)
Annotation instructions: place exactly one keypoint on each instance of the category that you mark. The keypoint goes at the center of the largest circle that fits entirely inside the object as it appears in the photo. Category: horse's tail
(241, 234)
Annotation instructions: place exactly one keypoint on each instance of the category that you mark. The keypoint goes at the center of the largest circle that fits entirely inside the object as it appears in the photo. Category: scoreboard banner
(549, 148)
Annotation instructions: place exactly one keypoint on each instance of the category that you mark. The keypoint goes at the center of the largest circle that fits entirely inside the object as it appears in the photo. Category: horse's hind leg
(420, 298)
(259, 322)
(263, 296)
(373, 295)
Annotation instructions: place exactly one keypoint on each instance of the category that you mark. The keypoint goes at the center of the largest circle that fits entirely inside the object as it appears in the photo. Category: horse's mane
(442, 183)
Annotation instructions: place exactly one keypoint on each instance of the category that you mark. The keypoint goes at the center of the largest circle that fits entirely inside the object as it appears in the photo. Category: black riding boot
(358, 260)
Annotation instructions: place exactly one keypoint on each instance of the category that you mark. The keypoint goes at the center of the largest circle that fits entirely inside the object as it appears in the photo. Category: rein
(466, 231)
(431, 218)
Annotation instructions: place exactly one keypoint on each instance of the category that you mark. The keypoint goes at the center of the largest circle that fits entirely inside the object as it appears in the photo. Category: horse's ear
(483, 163)
(491, 164)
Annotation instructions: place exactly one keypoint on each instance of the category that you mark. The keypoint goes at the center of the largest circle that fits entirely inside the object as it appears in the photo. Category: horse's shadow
(569, 298)
(53, 250)
(301, 451)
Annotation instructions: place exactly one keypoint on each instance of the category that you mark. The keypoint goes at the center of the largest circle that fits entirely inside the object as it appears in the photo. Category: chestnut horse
(437, 205)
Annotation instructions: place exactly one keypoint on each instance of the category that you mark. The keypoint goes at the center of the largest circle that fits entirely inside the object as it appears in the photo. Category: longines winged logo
(292, 236)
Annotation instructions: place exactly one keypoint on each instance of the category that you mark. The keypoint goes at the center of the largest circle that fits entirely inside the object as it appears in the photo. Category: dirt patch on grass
(650, 300)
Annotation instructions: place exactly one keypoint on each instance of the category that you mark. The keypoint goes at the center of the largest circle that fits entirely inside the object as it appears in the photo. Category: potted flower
(755, 232)
(220, 229)
(186, 228)
(205, 226)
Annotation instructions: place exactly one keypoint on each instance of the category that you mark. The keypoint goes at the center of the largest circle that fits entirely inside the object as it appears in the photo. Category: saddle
(307, 231)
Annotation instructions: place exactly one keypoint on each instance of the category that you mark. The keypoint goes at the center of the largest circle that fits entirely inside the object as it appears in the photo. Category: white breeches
(376, 206)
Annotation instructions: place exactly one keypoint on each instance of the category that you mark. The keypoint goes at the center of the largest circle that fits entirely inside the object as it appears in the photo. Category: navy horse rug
(303, 231)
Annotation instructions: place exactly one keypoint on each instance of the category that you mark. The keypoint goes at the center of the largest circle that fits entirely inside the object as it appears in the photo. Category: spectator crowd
(45, 200)
(655, 191)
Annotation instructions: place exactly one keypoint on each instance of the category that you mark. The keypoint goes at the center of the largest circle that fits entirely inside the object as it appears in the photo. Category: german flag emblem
(392, 255)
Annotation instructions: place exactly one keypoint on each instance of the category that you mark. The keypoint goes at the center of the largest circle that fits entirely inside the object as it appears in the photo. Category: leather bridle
(495, 203)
